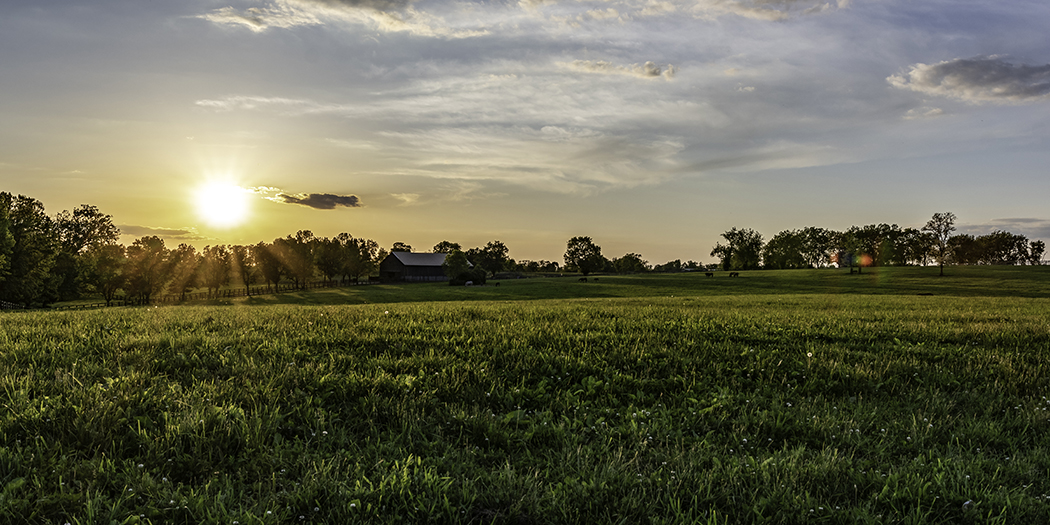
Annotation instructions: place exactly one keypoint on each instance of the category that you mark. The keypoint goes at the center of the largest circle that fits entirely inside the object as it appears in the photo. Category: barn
(412, 267)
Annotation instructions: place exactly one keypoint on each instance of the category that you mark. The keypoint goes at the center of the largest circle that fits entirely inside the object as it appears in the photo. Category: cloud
(259, 19)
(320, 201)
(646, 70)
(770, 10)
(923, 112)
(378, 5)
(978, 79)
(407, 199)
(281, 105)
(186, 234)
(1033, 228)
(385, 15)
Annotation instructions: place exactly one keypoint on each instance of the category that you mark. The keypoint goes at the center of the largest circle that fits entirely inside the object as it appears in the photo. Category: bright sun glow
(222, 204)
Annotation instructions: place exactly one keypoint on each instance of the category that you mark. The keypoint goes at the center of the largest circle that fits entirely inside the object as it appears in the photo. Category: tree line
(46, 259)
(874, 245)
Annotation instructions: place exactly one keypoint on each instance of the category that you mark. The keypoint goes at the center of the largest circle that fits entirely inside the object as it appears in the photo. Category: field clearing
(984, 281)
(745, 405)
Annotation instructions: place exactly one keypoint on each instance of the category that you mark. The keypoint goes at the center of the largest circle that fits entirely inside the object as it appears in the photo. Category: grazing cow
(583, 279)
(709, 274)
(595, 279)
(497, 284)
(734, 274)
(469, 283)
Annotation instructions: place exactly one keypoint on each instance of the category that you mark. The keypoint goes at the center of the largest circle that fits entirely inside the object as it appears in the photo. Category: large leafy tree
(7, 239)
(148, 267)
(329, 256)
(742, 251)
(215, 268)
(33, 241)
(296, 255)
(184, 263)
(446, 247)
(104, 266)
(582, 255)
(785, 250)
(78, 230)
(268, 263)
(456, 264)
(630, 263)
(1036, 249)
(242, 266)
(941, 226)
(362, 256)
(492, 258)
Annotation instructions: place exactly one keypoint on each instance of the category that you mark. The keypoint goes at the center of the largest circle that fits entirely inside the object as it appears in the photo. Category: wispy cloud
(183, 234)
(384, 15)
(1031, 227)
(978, 79)
(647, 70)
(771, 10)
(281, 105)
(259, 19)
(923, 112)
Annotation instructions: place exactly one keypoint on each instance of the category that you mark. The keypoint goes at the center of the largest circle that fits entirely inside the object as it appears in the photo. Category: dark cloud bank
(321, 201)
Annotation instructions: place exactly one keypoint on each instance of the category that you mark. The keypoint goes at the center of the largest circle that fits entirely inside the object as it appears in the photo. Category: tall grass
(732, 408)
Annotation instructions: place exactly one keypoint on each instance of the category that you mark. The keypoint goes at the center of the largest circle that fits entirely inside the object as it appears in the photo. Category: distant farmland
(776, 397)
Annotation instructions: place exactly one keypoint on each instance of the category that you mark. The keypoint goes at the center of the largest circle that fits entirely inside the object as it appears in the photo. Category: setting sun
(221, 204)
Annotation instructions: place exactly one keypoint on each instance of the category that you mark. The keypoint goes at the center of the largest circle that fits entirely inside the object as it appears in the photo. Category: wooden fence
(196, 296)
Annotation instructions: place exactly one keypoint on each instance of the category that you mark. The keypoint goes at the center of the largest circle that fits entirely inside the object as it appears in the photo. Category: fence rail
(195, 296)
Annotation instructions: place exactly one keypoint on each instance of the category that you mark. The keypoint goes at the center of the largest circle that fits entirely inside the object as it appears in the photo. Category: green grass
(965, 281)
(773, 398)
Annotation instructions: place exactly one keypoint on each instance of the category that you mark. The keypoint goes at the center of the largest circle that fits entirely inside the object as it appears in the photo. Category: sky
(651, 126)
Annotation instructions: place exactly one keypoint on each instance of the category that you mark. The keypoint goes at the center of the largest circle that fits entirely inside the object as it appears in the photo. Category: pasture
(775, 397)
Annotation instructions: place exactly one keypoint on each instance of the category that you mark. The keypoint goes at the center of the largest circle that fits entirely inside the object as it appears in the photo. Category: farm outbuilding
(412, 267)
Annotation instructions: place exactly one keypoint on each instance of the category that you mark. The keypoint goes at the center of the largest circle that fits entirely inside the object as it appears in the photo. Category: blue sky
(650, 126)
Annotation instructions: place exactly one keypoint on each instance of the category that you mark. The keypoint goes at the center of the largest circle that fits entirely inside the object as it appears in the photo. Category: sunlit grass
(739, 408)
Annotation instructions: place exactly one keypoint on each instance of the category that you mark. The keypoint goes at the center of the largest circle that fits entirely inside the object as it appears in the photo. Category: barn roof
(419, 259)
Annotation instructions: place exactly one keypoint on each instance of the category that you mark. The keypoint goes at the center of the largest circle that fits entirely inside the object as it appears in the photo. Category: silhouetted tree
(630, 263)
(242, 267)
(183, 263)
(297, 257)
(363, 256)
(32, 254)
(1036, 250)
(77, 230)
(214, 269)
(785, 250)
(329, 256)
(743, 249)
(491, 258)
(582, 255)
(104, 269)
(401, 247)
(147, 267)
(941, 227)
(268, 263)
(446, 247)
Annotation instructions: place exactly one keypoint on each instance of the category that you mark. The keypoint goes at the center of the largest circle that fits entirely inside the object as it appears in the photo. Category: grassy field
(778, 397)
(986, 281)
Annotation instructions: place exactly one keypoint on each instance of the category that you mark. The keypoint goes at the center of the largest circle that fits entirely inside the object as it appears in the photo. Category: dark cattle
(497, 284)
(709, 274)
(595, 279)
(583, 279)
(734, 274)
